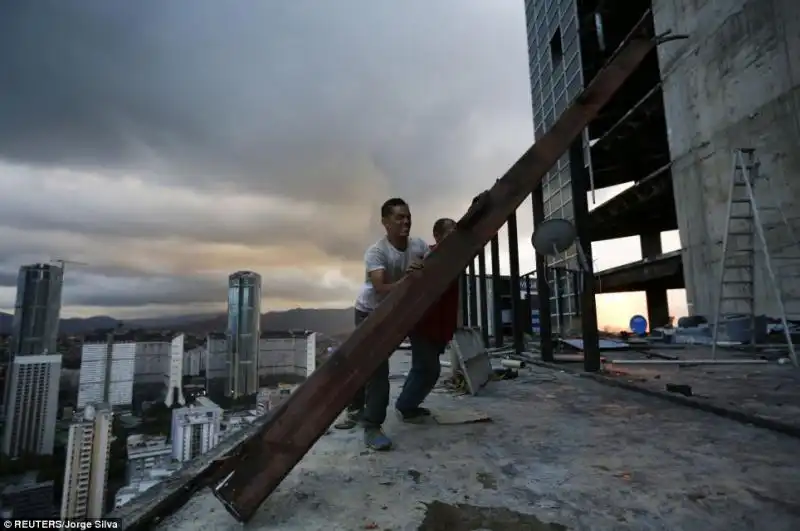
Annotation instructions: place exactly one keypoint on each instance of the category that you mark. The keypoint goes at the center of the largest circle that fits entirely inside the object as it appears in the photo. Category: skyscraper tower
(31, 406)
(244, 329)
(31, 386)
(37, 310)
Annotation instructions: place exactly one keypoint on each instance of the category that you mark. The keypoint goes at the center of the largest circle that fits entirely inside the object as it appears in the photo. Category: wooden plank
(263, 461)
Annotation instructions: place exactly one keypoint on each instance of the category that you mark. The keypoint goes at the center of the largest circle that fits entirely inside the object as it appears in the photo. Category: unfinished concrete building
(734, 83)
(671, 131)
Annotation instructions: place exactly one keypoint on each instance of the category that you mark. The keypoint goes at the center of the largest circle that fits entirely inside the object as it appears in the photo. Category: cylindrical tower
(244, 330)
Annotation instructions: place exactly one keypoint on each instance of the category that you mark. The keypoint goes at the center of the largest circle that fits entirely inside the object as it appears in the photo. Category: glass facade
(556, 77)
(244, 330)
(37, 310)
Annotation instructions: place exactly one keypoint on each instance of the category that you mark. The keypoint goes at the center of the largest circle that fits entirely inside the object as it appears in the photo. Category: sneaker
(375, 439)
(350, 420)
(414, 416)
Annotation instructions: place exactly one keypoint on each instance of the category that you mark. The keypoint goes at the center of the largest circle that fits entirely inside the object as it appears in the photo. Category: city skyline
(614, 309)
(118, 374)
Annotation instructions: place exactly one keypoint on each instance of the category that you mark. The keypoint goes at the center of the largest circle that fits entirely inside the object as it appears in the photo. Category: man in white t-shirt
(386, 263)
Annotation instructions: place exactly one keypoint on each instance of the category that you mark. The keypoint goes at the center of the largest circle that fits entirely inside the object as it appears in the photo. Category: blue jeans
(373, 398)
(424, 373)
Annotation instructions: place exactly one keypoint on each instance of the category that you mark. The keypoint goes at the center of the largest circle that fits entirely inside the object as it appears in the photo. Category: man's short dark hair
(438, 227)
(386, 208)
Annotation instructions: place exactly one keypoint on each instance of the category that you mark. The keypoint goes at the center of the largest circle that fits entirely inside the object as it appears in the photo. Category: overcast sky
(167, 144)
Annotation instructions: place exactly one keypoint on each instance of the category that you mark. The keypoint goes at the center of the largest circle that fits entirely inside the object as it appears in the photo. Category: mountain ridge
(327, 321)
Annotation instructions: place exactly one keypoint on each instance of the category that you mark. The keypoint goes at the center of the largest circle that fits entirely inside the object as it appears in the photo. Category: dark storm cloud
(8, 278)
(257, 96)
(331, 106)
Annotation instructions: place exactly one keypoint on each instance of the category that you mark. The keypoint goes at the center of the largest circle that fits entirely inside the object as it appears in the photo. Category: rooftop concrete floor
(770, 391)
(561, 450)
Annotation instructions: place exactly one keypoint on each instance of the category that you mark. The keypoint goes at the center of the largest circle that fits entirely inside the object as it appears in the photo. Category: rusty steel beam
(261, 463)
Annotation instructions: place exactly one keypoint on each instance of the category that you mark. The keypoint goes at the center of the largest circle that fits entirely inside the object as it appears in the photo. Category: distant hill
(329, 322)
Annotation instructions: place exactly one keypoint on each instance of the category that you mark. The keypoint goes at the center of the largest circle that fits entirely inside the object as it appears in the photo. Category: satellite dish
(554, 236)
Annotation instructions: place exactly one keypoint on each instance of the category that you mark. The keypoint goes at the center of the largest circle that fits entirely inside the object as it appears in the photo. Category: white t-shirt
(383, 255)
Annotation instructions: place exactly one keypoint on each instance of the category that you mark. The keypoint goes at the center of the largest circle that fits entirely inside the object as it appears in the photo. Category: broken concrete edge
(162, 500)
(722, 411)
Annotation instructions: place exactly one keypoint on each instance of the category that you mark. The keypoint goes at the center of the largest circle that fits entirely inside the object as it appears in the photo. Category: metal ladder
(744, 229)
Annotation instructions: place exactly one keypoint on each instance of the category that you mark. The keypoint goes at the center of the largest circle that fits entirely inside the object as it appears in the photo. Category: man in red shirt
(428, 341)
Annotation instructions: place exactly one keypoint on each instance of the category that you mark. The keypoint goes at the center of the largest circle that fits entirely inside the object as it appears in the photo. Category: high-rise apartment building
(37, 309)
(286, 353)
(152, 351)
(194, 361)
(32, 405)
(195, 429)
(217, 364)
(284, 356)
(86, 471)
(244, 327)
(107, 370)
(110, 369)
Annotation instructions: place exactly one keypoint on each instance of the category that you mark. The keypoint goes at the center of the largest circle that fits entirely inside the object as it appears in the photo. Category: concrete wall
(733, 83)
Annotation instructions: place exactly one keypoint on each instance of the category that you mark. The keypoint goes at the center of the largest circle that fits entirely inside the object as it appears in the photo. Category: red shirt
(441, 320)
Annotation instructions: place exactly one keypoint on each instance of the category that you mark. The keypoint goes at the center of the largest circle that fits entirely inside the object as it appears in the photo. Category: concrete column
(579, 175)
(657, 304)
